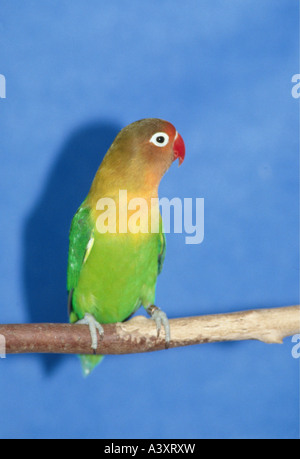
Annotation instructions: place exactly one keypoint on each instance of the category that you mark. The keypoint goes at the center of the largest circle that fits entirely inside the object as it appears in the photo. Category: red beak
(179, 148)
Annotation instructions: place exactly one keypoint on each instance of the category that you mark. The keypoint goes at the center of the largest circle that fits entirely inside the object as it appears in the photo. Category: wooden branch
(139, 334)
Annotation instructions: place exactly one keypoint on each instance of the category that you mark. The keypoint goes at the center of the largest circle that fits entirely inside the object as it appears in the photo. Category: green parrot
(113, 261)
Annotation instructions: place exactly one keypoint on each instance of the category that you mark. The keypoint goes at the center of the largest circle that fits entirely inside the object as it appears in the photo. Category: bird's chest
(119, 274)
(127, 253)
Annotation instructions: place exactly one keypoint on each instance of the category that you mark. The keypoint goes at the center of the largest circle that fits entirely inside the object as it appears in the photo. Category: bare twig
(139, 334)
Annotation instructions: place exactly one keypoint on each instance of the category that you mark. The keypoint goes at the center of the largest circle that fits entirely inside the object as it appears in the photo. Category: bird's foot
(94, 326)
(160, 318)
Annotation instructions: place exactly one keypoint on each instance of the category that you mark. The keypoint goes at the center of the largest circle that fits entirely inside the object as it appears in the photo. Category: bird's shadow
(46, 228)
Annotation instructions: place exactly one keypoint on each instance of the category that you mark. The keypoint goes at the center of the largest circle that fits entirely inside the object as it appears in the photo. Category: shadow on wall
(47, 226)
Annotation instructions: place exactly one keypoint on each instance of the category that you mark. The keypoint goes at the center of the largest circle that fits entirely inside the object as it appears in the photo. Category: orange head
(140, 155)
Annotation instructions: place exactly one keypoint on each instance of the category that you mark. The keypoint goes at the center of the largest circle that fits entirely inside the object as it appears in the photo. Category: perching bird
(114, 255)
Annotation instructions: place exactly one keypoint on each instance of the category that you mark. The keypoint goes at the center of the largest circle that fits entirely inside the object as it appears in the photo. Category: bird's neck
(144, 185)
(125, 207)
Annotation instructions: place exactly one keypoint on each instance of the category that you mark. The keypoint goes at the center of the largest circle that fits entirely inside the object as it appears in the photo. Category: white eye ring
(160, 139)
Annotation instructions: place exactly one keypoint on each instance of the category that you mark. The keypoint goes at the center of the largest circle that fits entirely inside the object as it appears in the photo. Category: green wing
(81, 233)
(162, 248)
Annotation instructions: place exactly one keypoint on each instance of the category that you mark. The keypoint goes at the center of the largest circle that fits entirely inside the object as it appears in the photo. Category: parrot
(113, 271)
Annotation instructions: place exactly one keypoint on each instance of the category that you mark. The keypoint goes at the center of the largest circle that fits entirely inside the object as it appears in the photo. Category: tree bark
(139, 334)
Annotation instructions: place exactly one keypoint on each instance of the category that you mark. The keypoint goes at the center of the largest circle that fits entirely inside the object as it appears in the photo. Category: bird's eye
(160, 139)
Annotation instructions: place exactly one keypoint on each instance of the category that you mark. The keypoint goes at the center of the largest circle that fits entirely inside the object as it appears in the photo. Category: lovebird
(116, 242)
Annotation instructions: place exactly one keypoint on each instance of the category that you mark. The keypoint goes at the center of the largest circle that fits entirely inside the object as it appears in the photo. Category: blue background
(220, 71)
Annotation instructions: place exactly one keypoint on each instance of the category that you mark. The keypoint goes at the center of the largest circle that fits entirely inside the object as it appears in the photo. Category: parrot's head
(141, 154)
(157, 142)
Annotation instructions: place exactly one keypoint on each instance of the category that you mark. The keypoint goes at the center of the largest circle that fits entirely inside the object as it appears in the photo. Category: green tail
(89, 362)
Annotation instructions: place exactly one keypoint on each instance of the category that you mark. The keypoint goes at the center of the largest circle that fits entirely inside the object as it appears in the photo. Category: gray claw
(160, 318)
(94, 326)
